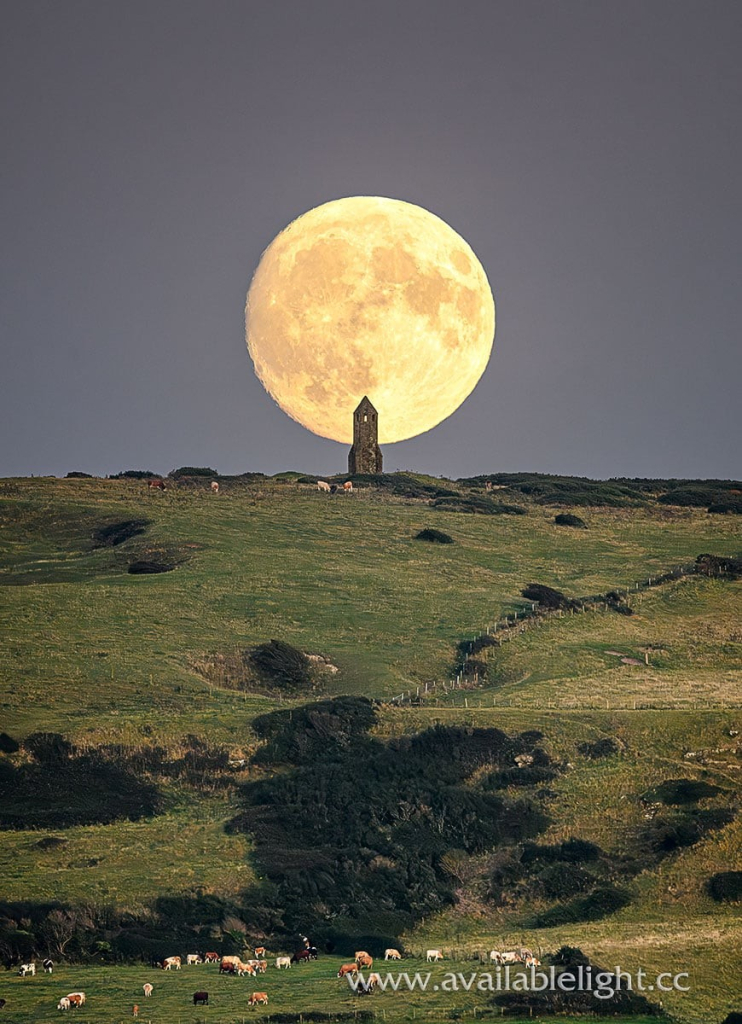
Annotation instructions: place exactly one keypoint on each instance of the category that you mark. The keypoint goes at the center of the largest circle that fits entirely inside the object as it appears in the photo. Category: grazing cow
(348, 487)
(214, 487)
(244, 969)
(372, 981)
(364, 959)
(303, 956)
(261, 966)
(76, 999)
(64, 1003)
(392, 954)
(27, 969)
(496, 956)
(48, 966)
(156, 484)
(322, 485)
(147, 989)
(258, 997)
(193, 958)
(211, 958)
(227, 968)
(347, 969)
(200, 998)
(171, 961)
(433, 954)
(283, 961)
(532, 961)
(511, 957)
(135, 1011)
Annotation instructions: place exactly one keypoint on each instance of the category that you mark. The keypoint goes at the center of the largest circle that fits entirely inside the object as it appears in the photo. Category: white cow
(283, 961)
(322, 485)
(511, 957)
(392, 954)
(171, 961)
(495, 956)
(214, 487)
(193, 958)
(147, 989)
(27, 969)
(433, 954)
(64, 1003)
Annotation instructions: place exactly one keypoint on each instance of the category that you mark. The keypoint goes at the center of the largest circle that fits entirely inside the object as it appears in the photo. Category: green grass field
(111, 994)
(108, 657)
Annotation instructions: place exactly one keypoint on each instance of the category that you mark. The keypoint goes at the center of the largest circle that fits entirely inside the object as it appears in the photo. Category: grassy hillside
(132, 662)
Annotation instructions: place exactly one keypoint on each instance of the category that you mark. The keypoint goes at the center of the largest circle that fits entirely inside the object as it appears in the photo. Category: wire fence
(513, 624)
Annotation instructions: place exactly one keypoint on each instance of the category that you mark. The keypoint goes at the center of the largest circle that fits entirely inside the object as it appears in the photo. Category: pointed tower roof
(365, 405)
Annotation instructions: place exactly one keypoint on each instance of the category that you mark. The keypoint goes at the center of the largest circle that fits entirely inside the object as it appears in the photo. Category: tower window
(365, 417)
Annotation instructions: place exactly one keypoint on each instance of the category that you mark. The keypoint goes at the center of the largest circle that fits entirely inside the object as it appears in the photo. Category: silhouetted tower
(365, 455)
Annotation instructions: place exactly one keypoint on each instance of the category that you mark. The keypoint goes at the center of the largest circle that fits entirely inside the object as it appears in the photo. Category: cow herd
(235, 965)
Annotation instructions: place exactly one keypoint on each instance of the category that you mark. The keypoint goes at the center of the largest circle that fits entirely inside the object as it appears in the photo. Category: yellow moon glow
(369, 296)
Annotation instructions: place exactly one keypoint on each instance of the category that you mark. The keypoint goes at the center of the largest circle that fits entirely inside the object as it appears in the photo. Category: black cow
(48, 966)
(201, 998)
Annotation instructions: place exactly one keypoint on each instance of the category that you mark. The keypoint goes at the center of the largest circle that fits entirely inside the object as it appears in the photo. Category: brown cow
(211, 958)
(201, 997)
(347, 969)
(364, 959)
(258, 997)
(156, 484)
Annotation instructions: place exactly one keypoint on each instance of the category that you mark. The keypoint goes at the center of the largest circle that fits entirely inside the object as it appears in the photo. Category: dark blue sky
(589, 153)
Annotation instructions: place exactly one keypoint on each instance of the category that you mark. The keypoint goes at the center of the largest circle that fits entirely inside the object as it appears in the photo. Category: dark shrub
(730, 506)
(50, 843)
(363, 826)
(476, 505)
(713, 565)
(75, 475)
(474, 667)
(48, 748)
(547, 597)
(666, 834)
(601, 902)
(567, 519)
(185, 471)
(693, 497)
(323, 730)
(282, 665)
(62, 791)
(680, 791)
(116, 533)
(134, 474)
(434, 536)
(726, 886)
(7, 744)
(144, 567)
(572, 851)
(573, 999)
(733, 1018)
(561, 881)
(596, 749)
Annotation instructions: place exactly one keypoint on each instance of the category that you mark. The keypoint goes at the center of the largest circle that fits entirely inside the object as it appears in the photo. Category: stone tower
(365, 455)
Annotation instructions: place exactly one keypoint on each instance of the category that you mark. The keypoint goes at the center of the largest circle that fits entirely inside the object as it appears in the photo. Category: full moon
(369, 296)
